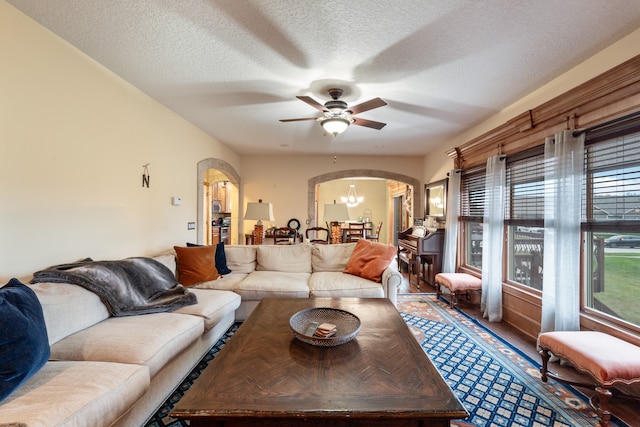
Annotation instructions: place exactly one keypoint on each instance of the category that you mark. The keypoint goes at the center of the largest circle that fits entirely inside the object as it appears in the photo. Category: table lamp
(334, 214)
(260, 212)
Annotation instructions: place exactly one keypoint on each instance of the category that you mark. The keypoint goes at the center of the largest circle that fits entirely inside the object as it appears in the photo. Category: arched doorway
(233, 177)
(368, 173)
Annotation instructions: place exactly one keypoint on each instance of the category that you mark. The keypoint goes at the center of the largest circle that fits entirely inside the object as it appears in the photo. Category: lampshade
(336, 212)
(259, 211)
(335, 125)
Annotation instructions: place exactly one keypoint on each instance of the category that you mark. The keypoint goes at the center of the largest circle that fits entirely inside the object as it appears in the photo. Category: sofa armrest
(391, 281)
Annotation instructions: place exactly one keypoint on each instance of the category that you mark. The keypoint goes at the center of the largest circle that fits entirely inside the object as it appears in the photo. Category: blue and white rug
(497, 384)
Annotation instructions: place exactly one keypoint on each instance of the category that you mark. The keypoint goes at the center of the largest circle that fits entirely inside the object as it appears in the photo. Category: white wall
(73, 140)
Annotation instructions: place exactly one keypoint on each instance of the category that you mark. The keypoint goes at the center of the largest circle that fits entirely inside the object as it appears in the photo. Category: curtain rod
(607, 123)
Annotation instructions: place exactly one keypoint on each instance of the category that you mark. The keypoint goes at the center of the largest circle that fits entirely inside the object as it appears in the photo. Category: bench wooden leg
(452, 295)
(544, 354)
(599, 402)
(453, 300)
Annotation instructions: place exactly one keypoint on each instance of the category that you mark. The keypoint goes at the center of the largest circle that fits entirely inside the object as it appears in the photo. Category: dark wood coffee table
(266, 377)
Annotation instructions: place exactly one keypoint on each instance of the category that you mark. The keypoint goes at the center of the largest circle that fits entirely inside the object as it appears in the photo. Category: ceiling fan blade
(315, 104)
(368, 123)
(298, 120)
(367, 105)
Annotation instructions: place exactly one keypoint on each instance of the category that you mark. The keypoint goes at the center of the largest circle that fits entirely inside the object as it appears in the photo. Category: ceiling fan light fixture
(335, 125)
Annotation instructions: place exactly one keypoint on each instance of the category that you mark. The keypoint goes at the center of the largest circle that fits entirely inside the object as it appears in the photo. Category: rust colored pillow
(196, 264)
(369, 259)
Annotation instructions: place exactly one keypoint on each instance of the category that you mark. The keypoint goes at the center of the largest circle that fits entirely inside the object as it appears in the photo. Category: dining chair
(284, 236)
(354, 231)
(318, 235)
(376, 236)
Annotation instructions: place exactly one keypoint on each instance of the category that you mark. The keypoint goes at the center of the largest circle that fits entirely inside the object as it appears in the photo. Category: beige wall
(283, 180)
(74, 137)
(73, 140)
(437, 164)
(376, 200)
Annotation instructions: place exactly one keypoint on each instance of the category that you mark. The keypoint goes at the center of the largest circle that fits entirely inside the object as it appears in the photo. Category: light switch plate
(191, 226)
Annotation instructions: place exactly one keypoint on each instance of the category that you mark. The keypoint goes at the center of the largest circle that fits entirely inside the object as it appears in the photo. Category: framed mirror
(435, 199)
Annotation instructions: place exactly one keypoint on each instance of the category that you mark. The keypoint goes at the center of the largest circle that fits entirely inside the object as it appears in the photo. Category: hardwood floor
(626, 410)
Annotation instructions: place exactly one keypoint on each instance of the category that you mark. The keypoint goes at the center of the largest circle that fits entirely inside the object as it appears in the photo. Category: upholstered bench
(457, 283)
(609, 361)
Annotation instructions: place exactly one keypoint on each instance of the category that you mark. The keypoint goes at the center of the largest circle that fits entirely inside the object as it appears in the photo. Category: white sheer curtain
(564, 165)
(492, 232)
(453, 211)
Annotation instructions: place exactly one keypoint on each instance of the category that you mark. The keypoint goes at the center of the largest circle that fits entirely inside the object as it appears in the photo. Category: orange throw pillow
(369, 259)
(196, 264)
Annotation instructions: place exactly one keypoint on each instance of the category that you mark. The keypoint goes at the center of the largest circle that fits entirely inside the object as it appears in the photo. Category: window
(610, 221)
(524, 217)
(611, 225)
(472, 190)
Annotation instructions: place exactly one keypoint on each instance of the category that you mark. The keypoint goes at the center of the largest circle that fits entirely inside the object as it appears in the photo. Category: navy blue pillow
(221, 259)
(24, 344)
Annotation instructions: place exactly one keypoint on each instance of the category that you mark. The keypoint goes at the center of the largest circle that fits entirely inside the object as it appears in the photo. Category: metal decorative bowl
(347, 325)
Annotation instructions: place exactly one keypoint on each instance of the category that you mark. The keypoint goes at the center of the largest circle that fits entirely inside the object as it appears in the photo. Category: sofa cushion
(331, 257)
(369, 259)
(24, 345)
(196, 264)
(168, 259)
(68, 308)
(273, 284)
(335, 284)
(70, 394)
(150, 339)
(221, 259)
(224, 283)
(212, 305)
(284, 258)
(241, 258)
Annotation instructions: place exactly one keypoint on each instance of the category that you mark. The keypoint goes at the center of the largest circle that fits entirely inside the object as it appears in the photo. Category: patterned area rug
(497, 384)
(162, 418)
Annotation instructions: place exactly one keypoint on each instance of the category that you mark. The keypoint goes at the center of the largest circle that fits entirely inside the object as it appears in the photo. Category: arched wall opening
(233, 177)
(366, 173)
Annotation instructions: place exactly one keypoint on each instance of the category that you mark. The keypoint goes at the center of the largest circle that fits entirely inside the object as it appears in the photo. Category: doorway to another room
(380, 191)
(218, 203)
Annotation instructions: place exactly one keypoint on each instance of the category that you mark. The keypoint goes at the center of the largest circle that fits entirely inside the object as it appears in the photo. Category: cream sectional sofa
(117, 371)
(298, 271)
(113, 371)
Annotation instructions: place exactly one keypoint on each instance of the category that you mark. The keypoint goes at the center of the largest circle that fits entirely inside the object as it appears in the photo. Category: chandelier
(352, 200)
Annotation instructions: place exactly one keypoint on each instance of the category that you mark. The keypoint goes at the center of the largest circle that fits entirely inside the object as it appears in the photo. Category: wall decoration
(435, 199)
(145, 175)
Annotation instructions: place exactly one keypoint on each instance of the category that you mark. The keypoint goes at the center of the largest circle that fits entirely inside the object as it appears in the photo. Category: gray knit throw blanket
(127, 287)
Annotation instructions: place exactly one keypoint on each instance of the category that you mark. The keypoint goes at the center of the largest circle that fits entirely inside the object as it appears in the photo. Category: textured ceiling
(234, 68)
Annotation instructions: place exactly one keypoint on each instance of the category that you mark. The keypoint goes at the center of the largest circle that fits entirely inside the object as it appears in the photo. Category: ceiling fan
(337, 115)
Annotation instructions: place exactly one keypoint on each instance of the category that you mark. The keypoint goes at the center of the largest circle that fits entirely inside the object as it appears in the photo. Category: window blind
(612, 190)
(472, 194)
(524, 198)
